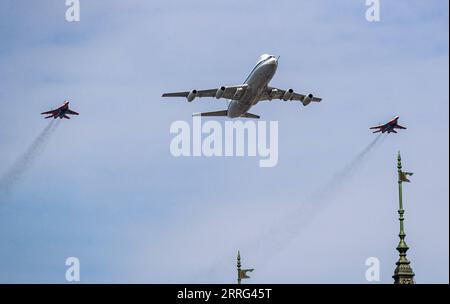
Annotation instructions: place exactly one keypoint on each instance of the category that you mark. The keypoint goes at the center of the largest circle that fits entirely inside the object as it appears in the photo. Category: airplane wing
(378, 127)
(232, 92)
(400, 127)
(274, 93)
(49, 112)
(72, 112)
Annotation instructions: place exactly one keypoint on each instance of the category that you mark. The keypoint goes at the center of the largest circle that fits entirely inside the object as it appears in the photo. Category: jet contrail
(342, 176)
(285, 231)
(281, 233)
(21, 165)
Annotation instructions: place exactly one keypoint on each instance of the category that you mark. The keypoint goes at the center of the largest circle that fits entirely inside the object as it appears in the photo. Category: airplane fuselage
(389, 128)
(62, 111)
(256, 82)
(60, 114)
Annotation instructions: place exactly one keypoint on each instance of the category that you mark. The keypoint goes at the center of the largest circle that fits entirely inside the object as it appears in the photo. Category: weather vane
(242, 273)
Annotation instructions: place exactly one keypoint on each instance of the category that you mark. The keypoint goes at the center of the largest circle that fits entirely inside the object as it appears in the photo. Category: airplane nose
(273, 61)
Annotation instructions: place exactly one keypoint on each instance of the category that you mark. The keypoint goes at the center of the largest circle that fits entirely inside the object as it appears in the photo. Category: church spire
(239, 267)
(403, 273)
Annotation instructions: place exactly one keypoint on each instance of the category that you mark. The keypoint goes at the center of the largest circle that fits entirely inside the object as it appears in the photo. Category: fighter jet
(388, 127)
(254, 89)
(61, 112)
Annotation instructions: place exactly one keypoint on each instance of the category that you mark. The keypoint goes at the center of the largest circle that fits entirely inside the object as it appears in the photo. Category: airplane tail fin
(377, 131)
(50, 116)
(225, 113)
(66, 117)
(216, 113)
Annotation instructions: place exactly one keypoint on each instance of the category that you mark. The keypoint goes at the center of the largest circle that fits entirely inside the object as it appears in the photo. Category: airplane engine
(288, 94)
(307, 100)
(191, 96)
(237, 95)
(220, 92)
(273, 93)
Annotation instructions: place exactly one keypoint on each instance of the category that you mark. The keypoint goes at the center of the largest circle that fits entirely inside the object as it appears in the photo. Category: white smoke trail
(343, 176)
(281, 233)
(285, 231)
(24, 162)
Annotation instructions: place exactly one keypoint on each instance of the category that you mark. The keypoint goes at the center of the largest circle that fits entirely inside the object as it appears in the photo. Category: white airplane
(254, 89)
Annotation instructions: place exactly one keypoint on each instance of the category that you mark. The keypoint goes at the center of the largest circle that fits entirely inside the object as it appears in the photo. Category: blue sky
(107, 190)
